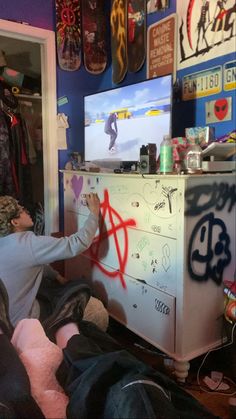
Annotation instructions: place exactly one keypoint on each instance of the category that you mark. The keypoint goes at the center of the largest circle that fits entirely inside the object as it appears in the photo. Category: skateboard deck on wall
(136, 39)
(118, 21)
(94, 35)
(68, 34)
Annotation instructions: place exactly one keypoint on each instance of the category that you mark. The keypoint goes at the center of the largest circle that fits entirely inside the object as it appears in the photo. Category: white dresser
(164, 246)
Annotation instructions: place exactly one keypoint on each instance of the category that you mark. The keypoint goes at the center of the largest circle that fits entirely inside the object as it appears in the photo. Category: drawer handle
(135, 255)
(135, 306)
(135, 204)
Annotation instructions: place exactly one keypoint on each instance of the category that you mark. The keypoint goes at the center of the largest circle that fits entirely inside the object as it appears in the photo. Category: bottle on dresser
(166, 155)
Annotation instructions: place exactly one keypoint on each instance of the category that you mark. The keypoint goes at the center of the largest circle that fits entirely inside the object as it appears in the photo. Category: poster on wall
(161, 47)
(157, 5)
(207, 29)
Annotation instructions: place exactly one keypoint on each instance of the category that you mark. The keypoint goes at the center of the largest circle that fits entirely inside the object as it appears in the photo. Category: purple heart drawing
(77, 185)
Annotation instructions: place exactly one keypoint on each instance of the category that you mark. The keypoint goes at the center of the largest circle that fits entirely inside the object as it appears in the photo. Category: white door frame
(46, 39)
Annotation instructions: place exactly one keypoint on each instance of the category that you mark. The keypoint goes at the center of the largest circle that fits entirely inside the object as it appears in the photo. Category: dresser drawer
(136, 253)
(146, 311)
(150, 204)
(143, 309)
(152, 260)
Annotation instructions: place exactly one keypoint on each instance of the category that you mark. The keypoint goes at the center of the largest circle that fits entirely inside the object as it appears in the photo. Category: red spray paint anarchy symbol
(121, 248)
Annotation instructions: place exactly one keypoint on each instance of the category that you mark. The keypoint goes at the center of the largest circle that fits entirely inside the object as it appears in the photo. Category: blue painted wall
(39, 13)
(74, 85)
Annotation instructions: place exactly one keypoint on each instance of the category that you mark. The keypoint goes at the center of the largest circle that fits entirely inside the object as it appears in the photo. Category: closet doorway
(41, 57)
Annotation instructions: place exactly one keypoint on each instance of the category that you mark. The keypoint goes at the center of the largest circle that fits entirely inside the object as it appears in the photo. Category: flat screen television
(143, 115)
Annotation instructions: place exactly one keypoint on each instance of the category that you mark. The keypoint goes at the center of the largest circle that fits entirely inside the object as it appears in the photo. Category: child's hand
(93, 203)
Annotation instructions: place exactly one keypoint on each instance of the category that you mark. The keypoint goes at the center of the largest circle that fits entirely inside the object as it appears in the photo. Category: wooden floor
(216, 361)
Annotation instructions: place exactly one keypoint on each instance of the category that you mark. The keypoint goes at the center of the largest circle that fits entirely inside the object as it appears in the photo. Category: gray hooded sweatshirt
(23, 257)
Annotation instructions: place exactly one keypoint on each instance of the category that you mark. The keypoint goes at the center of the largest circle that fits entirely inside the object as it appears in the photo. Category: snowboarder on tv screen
(112, 130)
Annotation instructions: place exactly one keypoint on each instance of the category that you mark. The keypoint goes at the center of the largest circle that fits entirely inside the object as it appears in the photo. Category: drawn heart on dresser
(77, 185)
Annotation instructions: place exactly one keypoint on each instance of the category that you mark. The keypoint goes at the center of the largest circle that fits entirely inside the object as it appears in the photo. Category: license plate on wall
(202, 84)
(230, 75)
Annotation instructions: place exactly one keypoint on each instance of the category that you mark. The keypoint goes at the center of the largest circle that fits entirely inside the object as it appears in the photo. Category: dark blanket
(105, 381)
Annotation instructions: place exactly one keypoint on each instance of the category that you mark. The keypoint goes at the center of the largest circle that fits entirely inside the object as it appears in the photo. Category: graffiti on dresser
(204, 197)
(161, 307)
(209, 249)
(168, 193)
(116, 223)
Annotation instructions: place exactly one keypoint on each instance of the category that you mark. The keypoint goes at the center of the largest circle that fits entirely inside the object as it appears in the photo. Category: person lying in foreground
(100, 378)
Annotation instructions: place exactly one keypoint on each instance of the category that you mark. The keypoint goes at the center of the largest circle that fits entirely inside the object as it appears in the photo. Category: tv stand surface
(154, 265)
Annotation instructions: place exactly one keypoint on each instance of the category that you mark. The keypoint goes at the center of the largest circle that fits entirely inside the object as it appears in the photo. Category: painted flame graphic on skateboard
(118, 22)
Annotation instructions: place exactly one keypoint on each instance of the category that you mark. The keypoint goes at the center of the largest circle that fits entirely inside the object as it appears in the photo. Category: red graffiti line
(116, 224)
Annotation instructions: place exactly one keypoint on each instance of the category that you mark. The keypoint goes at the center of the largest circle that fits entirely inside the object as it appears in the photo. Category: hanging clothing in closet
(14, 150)
(6, 177)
